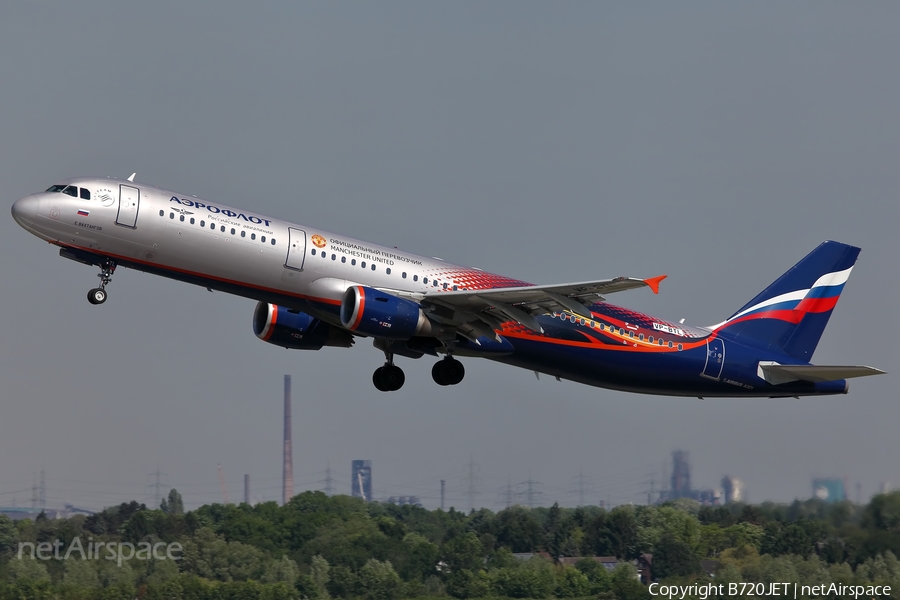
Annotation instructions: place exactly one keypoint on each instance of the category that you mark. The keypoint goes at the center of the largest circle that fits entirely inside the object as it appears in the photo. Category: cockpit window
(85, 194)
(56, 188)
(71, 190)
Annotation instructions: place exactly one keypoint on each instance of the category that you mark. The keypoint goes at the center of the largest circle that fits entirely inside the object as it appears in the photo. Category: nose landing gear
(98, 294)
(448, 371)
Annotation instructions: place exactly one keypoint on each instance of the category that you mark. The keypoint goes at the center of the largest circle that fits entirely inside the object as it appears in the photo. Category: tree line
(322, 547)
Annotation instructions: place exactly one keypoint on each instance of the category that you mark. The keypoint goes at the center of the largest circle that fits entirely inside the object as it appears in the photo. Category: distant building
(732, 489)
(404, 500)
(361, 483)
(19, 513)
(680, 483)
(829, 489)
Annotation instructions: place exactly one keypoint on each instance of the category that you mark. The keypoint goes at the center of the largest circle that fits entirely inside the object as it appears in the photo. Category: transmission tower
(42, 497)
(328, 481)
(529, 492)
(156, 487)
(471, 482)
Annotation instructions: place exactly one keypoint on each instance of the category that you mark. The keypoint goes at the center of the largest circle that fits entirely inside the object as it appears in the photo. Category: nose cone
(24, 210)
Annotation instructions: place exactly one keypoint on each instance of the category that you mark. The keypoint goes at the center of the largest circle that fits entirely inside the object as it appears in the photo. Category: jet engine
(296, 330)
(382, 315)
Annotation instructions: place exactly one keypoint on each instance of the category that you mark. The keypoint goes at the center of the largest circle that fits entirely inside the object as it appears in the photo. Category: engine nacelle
(379, 314)
(296, 330)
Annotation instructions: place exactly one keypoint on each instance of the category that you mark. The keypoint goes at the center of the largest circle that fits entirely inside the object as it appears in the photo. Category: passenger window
(181, 218)
(263, 240)
(334, 257)
(631, 334)
(661, 342)
(425, 280)
(172, 216)
(272, 241)
(162, 212)
(415, 277)
(373, 267)
(212, 226)
(223, 229)
(85, 193)
(446, 285)
(71, 190)
(388, 270)
(253, 237)
(602, 327)
(313, 250)
(403, 274)
(192, 220)
(641, 337)
(680, 347)
(571, 318)
(243, 234)
(650, 339)
(202, 223)
(353, 262)
(343, 259)
(363, 264)
(232, 231)
(455, 288)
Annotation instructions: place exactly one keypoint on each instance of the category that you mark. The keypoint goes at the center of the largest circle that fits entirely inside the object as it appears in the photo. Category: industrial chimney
(287, 488)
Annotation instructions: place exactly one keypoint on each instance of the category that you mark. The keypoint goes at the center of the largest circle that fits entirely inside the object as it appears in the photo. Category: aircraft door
(129, 203)
(715, 358)
(296, 252)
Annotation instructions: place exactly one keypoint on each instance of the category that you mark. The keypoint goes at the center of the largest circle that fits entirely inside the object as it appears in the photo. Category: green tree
(9, 535)
(81, 574)
(379, 580)
(282, 570)
(26, 570)
(572, 583)
(518, 530)
(463, 552)
(597, 575)
(674, 558)
(174, 505)
(318, 571)
(208, 555)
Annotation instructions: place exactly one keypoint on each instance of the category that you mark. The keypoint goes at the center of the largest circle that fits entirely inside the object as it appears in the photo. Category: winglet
(653, 282)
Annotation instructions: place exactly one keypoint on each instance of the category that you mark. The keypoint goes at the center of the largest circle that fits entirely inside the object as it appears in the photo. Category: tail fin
(790, 315)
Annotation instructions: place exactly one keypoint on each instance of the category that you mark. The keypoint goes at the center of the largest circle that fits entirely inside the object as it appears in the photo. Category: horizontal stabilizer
(777, 374)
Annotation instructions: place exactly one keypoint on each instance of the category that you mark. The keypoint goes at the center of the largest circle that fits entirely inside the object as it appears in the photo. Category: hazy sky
(552, 142)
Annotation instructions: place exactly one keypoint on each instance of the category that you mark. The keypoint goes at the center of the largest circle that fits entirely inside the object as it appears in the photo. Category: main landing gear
(98, 294)
(390, 377)
(448, 371)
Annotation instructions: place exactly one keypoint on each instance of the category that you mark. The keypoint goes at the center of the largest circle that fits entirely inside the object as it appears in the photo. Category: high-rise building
(681, 475)
(361, 484)
(732, 489)
(829, 489)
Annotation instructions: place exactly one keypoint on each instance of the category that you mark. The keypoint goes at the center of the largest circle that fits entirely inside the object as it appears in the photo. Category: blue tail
(790, 315)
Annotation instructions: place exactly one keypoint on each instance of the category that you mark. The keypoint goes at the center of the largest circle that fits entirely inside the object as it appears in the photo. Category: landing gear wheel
(388, 378)
(97, 296)
(448, 371)
(436, 373)
(377, 379)
(393, 377)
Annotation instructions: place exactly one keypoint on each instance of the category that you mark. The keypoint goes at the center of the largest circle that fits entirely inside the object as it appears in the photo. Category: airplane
(316, 289)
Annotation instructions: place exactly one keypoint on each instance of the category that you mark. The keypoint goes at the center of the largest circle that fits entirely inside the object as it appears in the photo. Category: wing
(476, 313)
